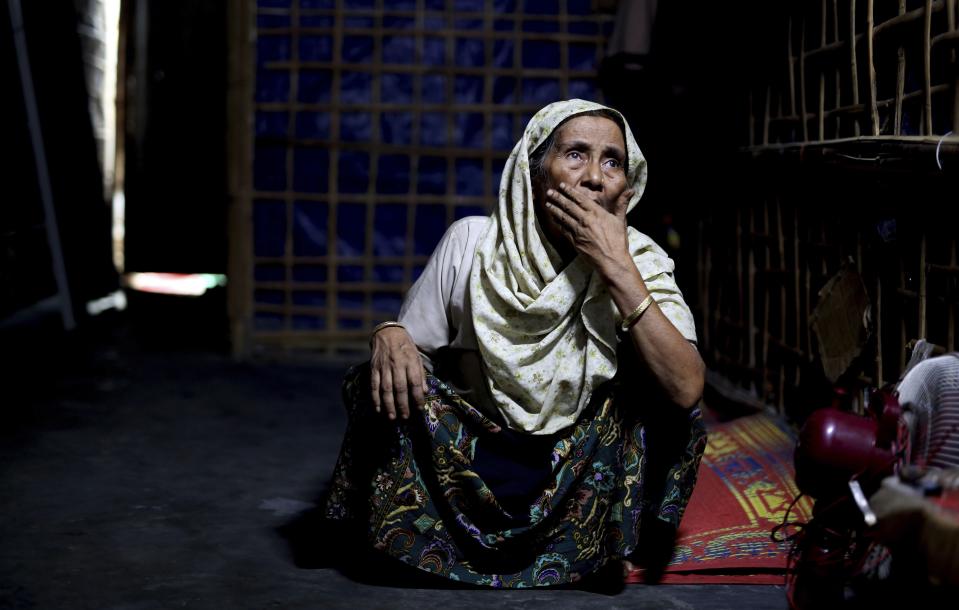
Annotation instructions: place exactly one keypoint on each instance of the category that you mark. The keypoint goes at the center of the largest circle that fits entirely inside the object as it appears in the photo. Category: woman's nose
(593, 178)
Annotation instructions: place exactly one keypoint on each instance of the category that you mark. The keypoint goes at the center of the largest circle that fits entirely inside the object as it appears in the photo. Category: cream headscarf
(547, 333)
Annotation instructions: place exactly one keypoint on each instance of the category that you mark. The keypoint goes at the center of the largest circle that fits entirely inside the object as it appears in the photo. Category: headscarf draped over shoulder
(546, 332)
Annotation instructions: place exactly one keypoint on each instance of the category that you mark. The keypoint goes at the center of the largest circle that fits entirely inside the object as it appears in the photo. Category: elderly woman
(532, 410)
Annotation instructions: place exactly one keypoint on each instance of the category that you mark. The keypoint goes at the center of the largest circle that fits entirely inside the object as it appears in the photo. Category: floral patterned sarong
(412, 486)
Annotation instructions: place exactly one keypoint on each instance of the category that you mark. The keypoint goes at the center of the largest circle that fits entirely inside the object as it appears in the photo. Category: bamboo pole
(822, 107)
(791, 63)
(450, 117)
(927, 68)
(838, 98)
(951, 17)
(900, 80)
(332, 322)
(899, 22)
(853, 66)
(870, 52)
(766, 116)
(239, 159)
(288, 191)
(822, 23)
(41, 167)
(802, 82)
(369, 235)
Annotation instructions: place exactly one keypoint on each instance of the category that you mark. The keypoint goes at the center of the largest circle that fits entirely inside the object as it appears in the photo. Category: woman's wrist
(621, 273)
(626, 288)
(383, 326)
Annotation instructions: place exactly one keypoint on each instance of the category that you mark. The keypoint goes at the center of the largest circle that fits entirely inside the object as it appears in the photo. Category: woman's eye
(574, 156)
(613, 164)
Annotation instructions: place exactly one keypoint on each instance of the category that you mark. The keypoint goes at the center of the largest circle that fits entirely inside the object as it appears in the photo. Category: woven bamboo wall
(848, 161)
(374, 125)
(848, 68)
(764, 265)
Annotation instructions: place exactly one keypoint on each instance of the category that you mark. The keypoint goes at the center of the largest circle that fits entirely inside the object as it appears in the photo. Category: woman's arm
(398, 378)
(672, 360)
(600, 235)
(396, 373)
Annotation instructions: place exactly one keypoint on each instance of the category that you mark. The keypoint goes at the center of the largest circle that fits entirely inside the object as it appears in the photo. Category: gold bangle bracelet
(381, 326)
(632, 318)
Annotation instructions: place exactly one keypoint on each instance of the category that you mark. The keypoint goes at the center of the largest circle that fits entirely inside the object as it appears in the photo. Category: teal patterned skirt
(413, 488)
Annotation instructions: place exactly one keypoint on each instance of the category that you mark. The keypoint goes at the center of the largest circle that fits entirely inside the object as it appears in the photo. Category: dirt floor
(141, 472)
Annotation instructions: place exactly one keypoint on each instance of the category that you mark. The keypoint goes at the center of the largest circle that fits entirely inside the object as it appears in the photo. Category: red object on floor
(746, 483)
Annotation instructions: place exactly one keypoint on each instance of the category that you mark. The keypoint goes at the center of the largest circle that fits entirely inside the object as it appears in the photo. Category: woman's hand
(397, 374)
(596, 232)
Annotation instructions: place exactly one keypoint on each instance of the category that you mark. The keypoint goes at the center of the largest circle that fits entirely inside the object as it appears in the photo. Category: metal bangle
(633, 317)
(381, 326)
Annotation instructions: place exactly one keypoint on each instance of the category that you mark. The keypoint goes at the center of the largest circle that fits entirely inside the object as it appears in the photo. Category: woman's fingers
(397, 378)
(415, 378)
(622, 204)
(386, 394)
(375, 388)
(580, 201)
(392, 389)
(573, 211)
(565, 221)
(401, 390)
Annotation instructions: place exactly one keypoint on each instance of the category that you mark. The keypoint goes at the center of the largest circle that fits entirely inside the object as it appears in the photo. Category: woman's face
(589, 155)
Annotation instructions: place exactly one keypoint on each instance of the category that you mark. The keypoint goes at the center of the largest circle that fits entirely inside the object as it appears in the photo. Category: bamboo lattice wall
(375, 124)
(849, 161)
(861, 68)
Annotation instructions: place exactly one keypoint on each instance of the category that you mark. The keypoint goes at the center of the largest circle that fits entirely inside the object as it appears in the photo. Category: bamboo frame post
(900, 79)
(927, 68)
(836, 71)
(853, 63)
(870, 53)
(802, 83)
(791, 65)
(239, 162)
(766, 116)
(951, 17)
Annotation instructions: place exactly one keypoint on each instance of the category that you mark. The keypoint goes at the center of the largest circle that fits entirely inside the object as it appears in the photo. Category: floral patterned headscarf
(546, 332)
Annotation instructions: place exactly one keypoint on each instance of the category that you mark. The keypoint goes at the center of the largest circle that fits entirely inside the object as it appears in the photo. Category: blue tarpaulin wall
(377, 124)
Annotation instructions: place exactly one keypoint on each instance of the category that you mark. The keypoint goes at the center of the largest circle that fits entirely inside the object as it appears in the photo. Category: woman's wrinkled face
(589, 155)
